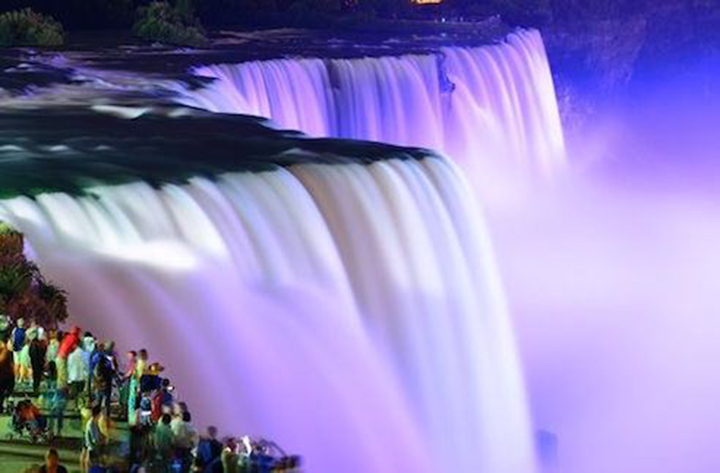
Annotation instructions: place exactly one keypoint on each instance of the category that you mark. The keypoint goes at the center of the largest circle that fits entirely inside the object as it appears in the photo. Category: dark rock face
(679, 32)
(606, 52)
(590, 60)
(594, 58)
(599, 54)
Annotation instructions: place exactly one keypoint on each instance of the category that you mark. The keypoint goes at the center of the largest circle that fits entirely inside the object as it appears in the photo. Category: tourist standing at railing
(94, 441)
(7, 373)
(18, 335)
(35, 331)
(142, 363)
(134, 387)
(110, 352)
(131, 359)
(229, 457)
(38, 347)
(104, 371)
(78, 373)
(92, 348)
(162, 400)
(55, 403)
(209, 451)
(67, 345)
(151, 380)
(23, 363)
(53, 345)
(163, 440)
(184, 439)
(22, 353)
(124, 384)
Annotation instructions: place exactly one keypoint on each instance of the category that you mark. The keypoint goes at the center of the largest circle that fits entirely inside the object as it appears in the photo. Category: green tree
(24, 292)
(162, 22)
(29, 28)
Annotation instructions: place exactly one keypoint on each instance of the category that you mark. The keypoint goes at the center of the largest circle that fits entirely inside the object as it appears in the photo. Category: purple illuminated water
(491, 108)
(612, 280)
(354, 313)
(350, 312)
(610, 272)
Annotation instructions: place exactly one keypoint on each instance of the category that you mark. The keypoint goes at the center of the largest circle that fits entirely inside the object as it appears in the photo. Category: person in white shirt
(78, 372)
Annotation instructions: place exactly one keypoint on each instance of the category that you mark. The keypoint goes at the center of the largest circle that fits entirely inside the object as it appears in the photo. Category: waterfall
(340, 298)
(489, 107)
(350, 312)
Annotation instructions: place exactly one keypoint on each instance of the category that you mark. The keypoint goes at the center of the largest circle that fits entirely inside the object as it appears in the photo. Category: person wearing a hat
(151, 380)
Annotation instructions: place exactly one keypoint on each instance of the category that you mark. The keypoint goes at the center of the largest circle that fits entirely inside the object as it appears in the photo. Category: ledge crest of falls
(78, 147)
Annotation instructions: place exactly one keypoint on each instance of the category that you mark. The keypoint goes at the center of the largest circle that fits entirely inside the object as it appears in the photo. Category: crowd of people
(74, 370)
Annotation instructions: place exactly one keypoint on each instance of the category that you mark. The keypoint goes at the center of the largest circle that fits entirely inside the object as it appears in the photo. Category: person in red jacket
(67, 346)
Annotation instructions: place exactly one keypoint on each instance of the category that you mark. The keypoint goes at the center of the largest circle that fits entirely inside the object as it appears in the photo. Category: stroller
(26, 418)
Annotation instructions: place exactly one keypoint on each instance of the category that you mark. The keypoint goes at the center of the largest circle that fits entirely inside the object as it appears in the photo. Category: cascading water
(349, 311)
(490, 107)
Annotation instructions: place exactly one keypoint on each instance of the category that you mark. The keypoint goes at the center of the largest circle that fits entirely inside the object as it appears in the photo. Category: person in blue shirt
(18, 336)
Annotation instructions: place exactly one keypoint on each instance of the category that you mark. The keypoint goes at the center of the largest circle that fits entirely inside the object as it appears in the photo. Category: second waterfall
(489, 107)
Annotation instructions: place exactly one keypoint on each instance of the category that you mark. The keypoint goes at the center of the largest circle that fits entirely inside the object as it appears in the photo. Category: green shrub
(24, 292)
(161, 22)
(28, 28)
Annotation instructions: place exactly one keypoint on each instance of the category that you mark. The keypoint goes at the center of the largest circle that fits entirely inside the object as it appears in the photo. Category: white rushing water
(349, 312)
(491, 108)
